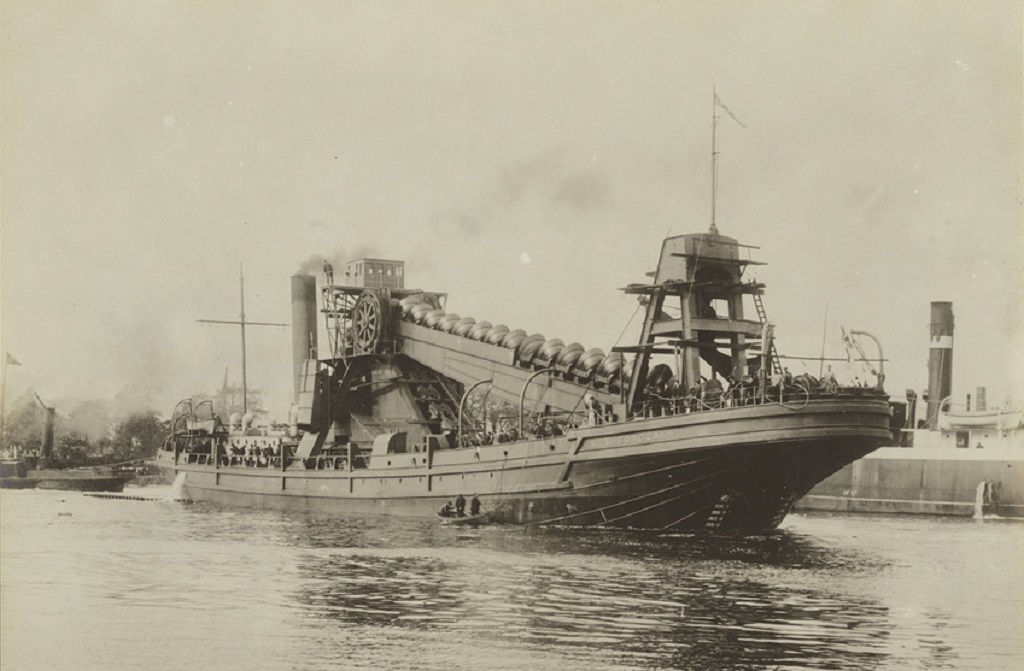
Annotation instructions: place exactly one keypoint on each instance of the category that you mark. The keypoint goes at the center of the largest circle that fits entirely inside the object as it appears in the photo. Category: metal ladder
(762, 316)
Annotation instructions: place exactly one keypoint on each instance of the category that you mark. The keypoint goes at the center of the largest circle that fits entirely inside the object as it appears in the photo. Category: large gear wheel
(367, 323)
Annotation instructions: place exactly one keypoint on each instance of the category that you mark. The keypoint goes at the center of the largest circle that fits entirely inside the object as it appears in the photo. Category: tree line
(88, 433)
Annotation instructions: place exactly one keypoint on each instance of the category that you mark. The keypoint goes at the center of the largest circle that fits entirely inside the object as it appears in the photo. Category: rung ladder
(762, 316)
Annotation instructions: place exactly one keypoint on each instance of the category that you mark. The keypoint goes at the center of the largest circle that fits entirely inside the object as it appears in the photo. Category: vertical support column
(737, 341)
(640, 368)
(691, 355)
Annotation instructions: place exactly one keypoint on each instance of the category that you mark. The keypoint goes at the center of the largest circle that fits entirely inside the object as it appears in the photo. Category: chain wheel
(367, 323)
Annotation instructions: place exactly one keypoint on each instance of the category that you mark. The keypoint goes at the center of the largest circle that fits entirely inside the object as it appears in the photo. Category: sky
(527, 158)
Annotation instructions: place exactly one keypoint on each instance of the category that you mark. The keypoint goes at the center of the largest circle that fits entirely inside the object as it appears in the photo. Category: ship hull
(737, 469)
(931, 485)
(66, 480)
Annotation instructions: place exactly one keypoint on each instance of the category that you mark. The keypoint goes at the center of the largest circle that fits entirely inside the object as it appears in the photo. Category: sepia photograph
(526, 335)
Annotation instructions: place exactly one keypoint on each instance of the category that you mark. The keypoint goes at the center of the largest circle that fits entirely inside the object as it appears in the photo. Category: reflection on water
(170, 585)
(688, 600)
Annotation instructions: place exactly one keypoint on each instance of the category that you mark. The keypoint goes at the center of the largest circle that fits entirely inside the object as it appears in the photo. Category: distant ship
(14, 474)
(34, 472)
(394, 415)
(963, 462)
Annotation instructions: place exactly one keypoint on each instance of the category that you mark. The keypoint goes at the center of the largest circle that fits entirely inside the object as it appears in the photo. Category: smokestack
(940, 359)
(303, 327)
(51, 415)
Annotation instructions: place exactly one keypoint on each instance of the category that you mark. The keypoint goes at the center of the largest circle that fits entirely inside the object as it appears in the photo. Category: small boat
(465, 520)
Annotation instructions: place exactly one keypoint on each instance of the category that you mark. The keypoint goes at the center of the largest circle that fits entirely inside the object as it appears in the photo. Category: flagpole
(714, 159)
(715, 104)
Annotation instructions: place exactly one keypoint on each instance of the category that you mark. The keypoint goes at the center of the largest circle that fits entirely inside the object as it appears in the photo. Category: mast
(713, 229)
(716, 102)
(242, 323)
(241, 299)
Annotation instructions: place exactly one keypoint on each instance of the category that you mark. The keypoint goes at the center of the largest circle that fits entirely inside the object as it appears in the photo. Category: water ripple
(167, 586)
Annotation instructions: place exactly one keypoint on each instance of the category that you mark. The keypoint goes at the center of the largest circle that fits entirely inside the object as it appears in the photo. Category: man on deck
(828, 380)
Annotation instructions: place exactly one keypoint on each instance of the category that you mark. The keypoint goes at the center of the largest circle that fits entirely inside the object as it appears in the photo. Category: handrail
(462, 403)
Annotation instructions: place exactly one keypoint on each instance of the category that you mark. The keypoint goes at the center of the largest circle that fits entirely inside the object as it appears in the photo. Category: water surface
(90, 583)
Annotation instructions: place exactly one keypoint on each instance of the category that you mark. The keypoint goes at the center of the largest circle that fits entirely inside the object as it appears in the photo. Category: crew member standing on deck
(329, 271)
(460, 506)
(474, 506)
(828, 381)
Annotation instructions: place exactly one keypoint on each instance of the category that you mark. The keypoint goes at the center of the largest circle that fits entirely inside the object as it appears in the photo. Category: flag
(11, 360)
(719, 103)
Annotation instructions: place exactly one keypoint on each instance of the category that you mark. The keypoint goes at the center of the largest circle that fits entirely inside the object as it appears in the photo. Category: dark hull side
(736, 469)
(76, 481)
(17, 483)
(94, 484)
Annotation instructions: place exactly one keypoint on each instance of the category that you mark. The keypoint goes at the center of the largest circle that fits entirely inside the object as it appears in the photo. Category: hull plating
(730, 469)
(933, 486)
